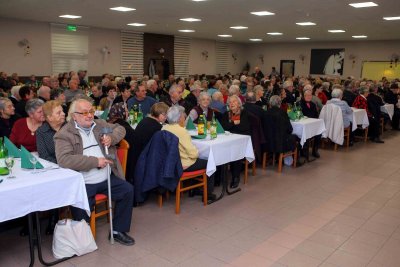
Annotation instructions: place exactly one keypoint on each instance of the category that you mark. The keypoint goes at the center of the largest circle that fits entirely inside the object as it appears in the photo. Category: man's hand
(106, 140)
(103, 162)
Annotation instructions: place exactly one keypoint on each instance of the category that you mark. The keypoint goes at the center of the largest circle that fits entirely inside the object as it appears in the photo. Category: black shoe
(379, 141)
(235, 182)
(211, 197)
(123, 238)
(316, 155)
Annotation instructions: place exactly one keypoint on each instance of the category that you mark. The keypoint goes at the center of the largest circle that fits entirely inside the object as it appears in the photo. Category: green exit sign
(71, 28)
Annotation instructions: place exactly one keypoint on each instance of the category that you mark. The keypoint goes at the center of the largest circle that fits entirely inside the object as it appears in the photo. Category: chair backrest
(256, 133)
(122, 153)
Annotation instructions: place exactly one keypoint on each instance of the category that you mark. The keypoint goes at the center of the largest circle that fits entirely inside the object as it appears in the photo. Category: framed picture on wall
(327, 61)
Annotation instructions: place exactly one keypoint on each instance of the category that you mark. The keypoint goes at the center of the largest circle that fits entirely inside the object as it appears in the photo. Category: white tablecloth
(360, 117)
(388, 109)
(307, 128)
(224, 149)
(45, 190)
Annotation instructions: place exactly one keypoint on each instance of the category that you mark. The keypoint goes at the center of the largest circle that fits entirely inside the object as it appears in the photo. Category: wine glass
(33, 160)
(9, 164)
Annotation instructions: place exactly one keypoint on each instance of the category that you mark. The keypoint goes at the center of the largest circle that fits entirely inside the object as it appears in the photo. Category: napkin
(12, 149)
(190, 124)
(220, 130)
(199, 136)
(292, 115)
(25, 163)
(104, 115)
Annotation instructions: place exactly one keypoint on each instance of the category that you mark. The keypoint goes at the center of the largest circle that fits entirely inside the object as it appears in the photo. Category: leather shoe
(235, 182)
(123, 238)
(379, 141)
(211, 197)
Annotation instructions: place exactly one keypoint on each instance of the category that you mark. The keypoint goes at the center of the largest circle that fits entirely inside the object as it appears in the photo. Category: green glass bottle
(139, 114)
(3, 154)
(213, 128)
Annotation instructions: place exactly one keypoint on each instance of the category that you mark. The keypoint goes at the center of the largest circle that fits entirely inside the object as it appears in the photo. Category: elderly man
(80, 146)
(125, 95)
(174, 97)
(141, 99)
(392, 97)
(152, 88)
(44, 93)
(291, 93)
(97, 94)
(251, 106)
(191, 99)
(46, 81)
(72, 91)
(258, 75)
(15, 97)
(217, 102)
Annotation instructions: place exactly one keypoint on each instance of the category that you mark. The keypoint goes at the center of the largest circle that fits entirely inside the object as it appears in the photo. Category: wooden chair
(101, 199)
(346, 137)
(365, 137)
(280, 161)
(200, 176)
(246, 169)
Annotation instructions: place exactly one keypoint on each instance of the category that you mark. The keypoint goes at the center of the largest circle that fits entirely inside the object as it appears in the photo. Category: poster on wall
(327, 61)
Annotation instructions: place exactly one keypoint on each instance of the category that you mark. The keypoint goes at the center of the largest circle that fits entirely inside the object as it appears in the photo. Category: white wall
(197, 63)
(363, 50)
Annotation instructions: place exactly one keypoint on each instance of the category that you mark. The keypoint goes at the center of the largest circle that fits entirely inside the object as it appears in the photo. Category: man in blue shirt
(140, 97)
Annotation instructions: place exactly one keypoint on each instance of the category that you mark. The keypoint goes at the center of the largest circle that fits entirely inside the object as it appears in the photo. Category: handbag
(72, 238)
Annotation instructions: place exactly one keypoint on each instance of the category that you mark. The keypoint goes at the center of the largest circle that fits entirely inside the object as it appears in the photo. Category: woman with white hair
(236, 121)
(188, 152)
(203, 107)
(7, 116)
(234, 90)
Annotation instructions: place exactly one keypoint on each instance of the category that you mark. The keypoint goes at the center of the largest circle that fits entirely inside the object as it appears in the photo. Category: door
(287, 68)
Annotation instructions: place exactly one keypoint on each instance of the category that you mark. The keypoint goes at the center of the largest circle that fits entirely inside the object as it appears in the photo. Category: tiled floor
(341, 210)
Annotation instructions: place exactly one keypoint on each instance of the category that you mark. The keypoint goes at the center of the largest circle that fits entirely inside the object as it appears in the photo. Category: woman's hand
(236, 122)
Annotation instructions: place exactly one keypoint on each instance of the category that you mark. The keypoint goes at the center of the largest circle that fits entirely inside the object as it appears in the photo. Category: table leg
(39, 246)
(31, 241)
(224, 181)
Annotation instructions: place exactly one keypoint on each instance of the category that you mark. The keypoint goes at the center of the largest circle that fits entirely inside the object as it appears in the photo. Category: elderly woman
(361, 103)
(191, 99)
(188, 152)
(58, 95)
(7, 116)
(203, 107)
(24, 129)
(234, 90)
(260, 100)
(26, 94)
(55, 119)
(223, 88)
(236, 121)
(309, 109)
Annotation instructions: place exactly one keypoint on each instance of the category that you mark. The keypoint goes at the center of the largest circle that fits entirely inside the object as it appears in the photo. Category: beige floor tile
(201, 260)
(286, 240)
(270, 250)
(337, 228)
(297, 259)
(370, 238)
(249, 259)
(342, 258)
(300, 230)
(359, 249)
(327, 239)
(315, 250)
(379, 228)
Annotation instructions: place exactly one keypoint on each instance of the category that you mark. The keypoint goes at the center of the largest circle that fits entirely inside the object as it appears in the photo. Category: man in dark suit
(250, 105)
(392, 97)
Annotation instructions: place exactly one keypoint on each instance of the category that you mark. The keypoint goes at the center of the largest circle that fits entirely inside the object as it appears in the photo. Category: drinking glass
(33, 160)
(9, 164)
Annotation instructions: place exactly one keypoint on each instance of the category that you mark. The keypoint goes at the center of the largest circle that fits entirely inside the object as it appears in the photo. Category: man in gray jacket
(80, 146)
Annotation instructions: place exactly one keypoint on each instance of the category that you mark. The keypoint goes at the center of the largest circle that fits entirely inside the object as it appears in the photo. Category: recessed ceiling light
(122, 9)
(359, 36)
(255, 40)
(302, 38)
(363, 4)
(199, 0)
(274, 33)
(336, 31)
(262, 13)
(391, 18)
(70, 17)
(225, 35)
(190, 19)
(308, 23)
(136, 24)
(187, 30)
(239, 27)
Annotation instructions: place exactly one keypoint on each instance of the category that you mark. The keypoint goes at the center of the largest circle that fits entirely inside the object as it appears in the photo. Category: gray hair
(236, 82)
(150, 83)
(337, 93)
(33, 104)
(77, 99)
(15, 90)
(275, 101)
(3, 102)
(235, 97)
(287, 84)
(307, 90)
(308, 87)
(363, 90)
(217, 96)
(258, 88)
(174, 114)
(326, 85)
(43, 89)
(233, 90)
(204, 95)
(173, 88)
(251, 97)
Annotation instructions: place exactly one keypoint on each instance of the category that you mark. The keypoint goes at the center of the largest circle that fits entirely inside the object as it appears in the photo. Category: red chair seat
(100, 197)
(188, 174)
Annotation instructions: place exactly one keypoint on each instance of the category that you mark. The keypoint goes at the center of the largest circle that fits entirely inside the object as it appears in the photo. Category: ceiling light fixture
(136, 24)
(187, 30)
(359, 36)
(255, 40)
(391, 18)
(122, 9)
(308, 23)
(199, 0)
(190, 19)
(239, 27)
(225, 35)
(262, 13)
(302, 38)
(336, 31)
(363, 4)
(70, 17)
(274, 33)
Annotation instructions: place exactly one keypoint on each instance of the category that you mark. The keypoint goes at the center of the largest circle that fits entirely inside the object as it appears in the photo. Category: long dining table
(33, 191)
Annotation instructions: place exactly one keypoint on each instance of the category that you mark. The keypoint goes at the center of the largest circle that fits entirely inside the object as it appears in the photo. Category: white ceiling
(162, 16)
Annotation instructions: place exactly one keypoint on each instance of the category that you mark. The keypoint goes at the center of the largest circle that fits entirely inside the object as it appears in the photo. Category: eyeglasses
(86, 113)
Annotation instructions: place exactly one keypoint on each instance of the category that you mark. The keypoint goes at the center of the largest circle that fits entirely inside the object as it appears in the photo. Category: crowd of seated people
(33, 113)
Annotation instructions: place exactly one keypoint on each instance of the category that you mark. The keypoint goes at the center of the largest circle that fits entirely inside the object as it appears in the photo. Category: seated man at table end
(80, 146)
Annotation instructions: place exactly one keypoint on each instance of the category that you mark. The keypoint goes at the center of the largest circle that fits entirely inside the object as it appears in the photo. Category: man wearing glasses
(80, 147)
